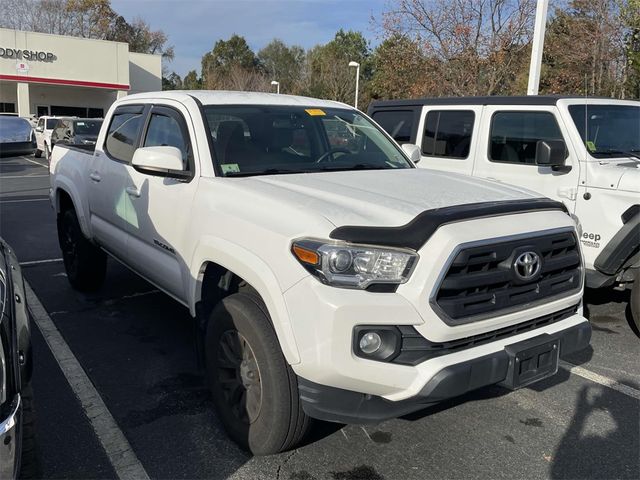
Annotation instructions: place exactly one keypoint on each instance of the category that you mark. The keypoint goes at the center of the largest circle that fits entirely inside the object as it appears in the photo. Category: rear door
(160, 206)
(108, 201)
(447, 137)
(507, 152)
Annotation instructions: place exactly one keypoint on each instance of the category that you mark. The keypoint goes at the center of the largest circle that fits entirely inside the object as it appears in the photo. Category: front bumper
(344, 406)
(10, 440)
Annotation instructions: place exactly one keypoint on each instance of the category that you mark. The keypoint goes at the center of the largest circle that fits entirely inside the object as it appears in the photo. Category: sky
(193, 26)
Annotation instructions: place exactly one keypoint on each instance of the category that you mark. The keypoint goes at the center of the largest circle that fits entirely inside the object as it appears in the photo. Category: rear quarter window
(397, 123)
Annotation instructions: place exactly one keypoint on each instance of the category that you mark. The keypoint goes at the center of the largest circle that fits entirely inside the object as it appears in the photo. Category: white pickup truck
(582, 152)
(329, 277)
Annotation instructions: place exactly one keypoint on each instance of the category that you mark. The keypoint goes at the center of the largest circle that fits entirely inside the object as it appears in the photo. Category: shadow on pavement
(585, 452)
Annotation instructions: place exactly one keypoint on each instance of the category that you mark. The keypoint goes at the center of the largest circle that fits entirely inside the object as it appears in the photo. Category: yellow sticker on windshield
(315, 112)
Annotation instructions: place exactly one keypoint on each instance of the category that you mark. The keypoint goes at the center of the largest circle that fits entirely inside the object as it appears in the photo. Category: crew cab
(329, 278)
(582, 152)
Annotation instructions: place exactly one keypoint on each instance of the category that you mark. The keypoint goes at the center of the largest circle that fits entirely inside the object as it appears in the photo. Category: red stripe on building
(60, 81)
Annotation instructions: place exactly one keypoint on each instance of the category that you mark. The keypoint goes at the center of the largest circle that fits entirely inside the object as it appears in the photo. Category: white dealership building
(42, 74)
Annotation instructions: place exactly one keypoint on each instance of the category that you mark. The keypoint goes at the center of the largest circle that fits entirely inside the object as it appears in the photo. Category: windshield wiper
(357, 166)
(268, 171)
(610, 151)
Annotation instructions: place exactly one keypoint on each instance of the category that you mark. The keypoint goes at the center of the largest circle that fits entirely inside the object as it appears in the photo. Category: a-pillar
(24, 108)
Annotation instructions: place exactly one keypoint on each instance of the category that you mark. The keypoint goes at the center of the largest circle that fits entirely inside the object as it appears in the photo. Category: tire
(47, 152)
(256, 398)
(85, 263)
(29, 463)
(634, 302)
(37, 153)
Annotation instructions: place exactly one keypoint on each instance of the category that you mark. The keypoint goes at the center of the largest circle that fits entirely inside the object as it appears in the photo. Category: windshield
(611, 130)
(87, 127)
(14, 129)
(263, 140)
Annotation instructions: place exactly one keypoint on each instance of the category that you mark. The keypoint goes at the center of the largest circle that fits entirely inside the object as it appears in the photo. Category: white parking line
(38, 262)
(116, 446)
(3, 177)
(27, 200)
(601, 379)
(37, 163)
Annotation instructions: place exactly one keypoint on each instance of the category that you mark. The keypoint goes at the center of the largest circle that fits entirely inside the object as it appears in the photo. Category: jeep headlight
(354, 266)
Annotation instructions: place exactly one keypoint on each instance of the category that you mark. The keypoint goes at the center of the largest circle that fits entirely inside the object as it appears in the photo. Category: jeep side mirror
(412, 151)
(163, 161)
(551, 153)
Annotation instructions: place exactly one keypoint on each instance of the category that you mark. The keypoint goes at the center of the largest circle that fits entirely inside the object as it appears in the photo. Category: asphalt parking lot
(135, 345)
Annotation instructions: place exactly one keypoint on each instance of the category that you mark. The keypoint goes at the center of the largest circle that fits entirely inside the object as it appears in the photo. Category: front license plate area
(531, 361)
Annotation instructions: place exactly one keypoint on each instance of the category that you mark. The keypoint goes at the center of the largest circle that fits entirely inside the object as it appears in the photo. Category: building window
(397, 123)
(122, 136)
(447, 133)
(7, 107)
(514, 135)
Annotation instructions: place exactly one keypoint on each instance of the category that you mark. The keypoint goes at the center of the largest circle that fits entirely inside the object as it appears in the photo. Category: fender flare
(253, 270)
(621, 246)
(63, 185)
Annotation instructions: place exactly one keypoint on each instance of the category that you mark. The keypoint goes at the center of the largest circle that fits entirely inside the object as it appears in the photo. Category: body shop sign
(33, 55)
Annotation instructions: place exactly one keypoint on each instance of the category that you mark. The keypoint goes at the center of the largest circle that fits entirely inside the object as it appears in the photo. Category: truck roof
(487, 100)
(223, 97)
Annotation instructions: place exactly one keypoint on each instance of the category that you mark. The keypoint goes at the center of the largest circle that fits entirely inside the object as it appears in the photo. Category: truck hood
(380, 197)
(621, 174)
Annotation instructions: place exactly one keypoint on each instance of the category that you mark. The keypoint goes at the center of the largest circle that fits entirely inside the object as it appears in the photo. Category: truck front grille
(483, 280)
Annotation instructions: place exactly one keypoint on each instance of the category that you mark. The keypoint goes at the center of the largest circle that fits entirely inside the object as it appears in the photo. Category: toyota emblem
(527, 266)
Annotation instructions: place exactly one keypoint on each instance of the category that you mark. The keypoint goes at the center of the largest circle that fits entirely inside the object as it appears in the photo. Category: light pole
(357, 65)
(277, 84)
(537, 45)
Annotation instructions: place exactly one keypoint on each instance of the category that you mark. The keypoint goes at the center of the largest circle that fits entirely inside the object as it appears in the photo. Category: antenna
(586, 139)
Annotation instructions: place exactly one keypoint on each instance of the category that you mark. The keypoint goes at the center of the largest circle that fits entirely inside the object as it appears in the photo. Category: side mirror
(412, 151)
(68, 133)
(551, 153)
(39, 129)
(159, 161)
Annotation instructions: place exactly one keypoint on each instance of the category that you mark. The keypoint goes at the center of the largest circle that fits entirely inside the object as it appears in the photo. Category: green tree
(191, 81)
(284, 64)
(225, 57)
(329, 74)
(399, 69)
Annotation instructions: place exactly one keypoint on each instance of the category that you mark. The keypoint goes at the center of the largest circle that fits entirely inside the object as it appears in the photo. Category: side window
(397, 123)
(514, 135)
(165, 130)
(447, 133)
(123, 132)
(40, 125)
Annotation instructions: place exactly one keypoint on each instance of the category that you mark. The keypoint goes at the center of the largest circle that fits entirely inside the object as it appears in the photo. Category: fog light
(370, 343)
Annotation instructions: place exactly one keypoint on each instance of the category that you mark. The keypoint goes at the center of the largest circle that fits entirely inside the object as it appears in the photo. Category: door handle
(133, 191)
(95, 176)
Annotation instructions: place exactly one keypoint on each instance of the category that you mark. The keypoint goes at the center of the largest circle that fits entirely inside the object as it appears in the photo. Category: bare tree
(474, 46)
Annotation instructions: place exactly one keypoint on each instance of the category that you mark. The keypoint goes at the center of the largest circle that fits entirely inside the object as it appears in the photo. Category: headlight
(354, 266)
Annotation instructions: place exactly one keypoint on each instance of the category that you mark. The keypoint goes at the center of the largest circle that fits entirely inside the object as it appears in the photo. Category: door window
(447, 133)
(397, 123)
(122, 136)
(514, 135)
(165, 130)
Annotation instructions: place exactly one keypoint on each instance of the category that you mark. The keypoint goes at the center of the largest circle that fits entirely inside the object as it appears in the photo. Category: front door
(507, 152)
(161, 205)
(108, 200)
